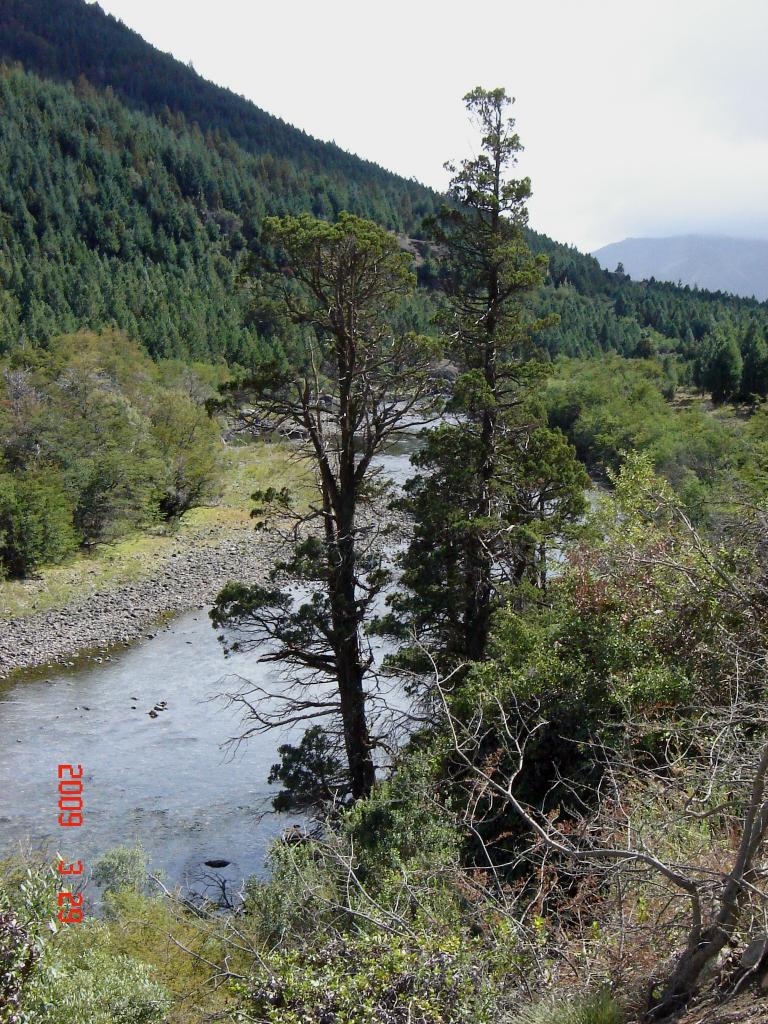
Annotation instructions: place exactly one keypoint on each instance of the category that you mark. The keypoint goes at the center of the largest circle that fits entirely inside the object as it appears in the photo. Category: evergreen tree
(483, 488)
(720, 364)
(341, 281)
(754, 352)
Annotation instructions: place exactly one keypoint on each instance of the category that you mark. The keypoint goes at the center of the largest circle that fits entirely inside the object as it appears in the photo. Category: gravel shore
(189, 576)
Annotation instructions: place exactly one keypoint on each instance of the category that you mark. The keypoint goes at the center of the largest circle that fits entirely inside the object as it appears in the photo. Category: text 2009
(70, 816)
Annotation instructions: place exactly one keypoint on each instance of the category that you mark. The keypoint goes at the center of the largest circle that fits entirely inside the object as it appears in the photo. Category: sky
(638, 119)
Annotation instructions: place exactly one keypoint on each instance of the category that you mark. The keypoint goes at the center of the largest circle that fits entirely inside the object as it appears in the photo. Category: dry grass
(727, 412)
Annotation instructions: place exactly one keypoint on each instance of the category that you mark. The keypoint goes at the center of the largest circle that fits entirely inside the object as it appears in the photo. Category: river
(167, 782)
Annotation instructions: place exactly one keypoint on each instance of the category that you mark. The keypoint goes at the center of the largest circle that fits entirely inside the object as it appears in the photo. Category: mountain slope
(735, 265)
(67, 39)
(109, 216)
(133, 202)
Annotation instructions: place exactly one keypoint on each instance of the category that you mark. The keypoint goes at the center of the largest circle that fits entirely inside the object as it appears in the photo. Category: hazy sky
(637, 118)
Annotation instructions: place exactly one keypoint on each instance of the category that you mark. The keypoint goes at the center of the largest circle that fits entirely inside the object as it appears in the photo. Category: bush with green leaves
(36, 523)
(298, 897)
(123, 867)
(404, 823)
(94, 986)
(18, 958)
(188, 443)
(374, 979)
(96, 440)
(53, 974)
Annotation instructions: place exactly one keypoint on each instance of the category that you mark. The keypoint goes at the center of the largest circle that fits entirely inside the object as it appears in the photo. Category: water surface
(164, 781)
(168, 781)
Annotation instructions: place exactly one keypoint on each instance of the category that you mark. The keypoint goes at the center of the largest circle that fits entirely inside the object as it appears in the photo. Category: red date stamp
(70, 809)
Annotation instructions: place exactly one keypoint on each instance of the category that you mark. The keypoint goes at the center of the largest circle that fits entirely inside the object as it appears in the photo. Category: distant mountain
(713, 262)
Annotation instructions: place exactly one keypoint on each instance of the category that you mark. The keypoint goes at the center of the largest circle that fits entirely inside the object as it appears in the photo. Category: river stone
(129, 611)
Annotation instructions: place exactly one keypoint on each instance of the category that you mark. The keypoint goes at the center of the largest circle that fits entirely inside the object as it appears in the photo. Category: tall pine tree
(495, 483)
(720, 364)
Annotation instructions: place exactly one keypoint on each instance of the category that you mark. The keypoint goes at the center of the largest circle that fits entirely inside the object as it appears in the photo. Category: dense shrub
(187, 441)
(18, 956)
(97, 440)
(97, 987)
(124, 867)
(51, 974)
(610, 406)
(36, 523)
(374, 980)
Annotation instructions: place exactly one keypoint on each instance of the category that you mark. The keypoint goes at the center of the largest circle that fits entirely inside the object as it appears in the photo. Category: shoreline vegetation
(122, 592)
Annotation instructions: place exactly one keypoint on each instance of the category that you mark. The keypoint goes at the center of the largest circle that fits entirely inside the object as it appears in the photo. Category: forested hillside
(605, 311)
(67, 39)
(132, 189)
(113, 217)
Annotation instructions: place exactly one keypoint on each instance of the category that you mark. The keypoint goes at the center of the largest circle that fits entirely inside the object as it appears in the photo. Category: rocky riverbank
(189, 575)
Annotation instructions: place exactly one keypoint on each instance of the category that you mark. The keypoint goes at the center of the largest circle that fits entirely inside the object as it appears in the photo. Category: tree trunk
(705, 943)
(479, 603)
(477, 615)
(350, 669)
(357, 740)
(685, 978)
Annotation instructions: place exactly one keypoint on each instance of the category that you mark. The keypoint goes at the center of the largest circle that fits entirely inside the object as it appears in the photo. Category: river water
(168, 781)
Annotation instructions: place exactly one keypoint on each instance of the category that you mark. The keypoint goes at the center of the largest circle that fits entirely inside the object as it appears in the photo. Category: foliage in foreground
(596, 1008)
(380, 979)
(65, 975)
